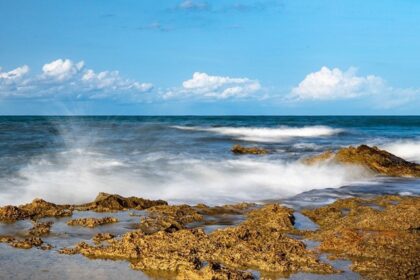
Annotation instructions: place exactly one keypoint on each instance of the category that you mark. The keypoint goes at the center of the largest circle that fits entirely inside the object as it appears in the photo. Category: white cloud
(15, 73)
(215, 87)
(111, 80)
(336, 84)
(62, 69)
(63, 77)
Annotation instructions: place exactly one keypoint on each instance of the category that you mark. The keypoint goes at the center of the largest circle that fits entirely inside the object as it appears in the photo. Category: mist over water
(184, 159)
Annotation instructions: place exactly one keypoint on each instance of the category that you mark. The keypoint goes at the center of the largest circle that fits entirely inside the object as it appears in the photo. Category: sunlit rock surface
(380, 235)
(372, 158)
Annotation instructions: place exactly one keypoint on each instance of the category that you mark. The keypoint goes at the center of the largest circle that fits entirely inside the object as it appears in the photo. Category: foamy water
(277, 134)
(186, 159)
(78, 176)
(409, 150)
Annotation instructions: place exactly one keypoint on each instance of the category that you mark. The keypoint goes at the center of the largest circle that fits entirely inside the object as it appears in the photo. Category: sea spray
(407, 149)
(81, 175)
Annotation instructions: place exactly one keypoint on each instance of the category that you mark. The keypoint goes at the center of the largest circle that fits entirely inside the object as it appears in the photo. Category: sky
(197, 57)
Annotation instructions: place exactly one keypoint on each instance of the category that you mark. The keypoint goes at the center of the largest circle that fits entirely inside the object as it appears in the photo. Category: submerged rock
(112, 202)
(92, 222)
(260, 243)
(241, 150)
(99, 237)
(37, 209)
(40, 229)
(26, 243)
(376, 160)
(380, 236)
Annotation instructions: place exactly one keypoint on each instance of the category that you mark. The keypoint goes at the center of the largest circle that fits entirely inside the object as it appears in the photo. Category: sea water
(182, 160)
(188, 159)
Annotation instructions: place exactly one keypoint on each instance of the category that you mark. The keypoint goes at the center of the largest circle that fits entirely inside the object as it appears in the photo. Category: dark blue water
(188, 159)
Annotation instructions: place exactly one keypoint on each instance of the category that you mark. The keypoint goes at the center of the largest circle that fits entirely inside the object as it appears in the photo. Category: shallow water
(182, 160)
(42, 265)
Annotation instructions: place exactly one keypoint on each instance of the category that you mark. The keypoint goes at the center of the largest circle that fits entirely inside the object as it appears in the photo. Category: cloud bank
(65, 78)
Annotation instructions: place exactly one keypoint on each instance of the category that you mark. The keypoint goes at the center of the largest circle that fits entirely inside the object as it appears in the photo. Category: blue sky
(299, 57)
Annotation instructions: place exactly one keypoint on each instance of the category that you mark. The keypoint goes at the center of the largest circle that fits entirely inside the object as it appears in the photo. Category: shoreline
(378, 235)
(244, 241)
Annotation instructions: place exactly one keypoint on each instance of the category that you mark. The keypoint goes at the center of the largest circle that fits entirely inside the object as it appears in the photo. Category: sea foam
(409, 150)
(78, 176)
(275, 134)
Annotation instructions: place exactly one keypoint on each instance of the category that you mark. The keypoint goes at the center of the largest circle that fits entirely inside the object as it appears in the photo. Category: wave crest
(265, 134)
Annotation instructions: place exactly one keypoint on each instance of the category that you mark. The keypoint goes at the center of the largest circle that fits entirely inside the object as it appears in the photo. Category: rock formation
(92, 222)
(372, 158)
(259, 243)
(381, 235)
(112, 202)
(37, 209)
(241, 150)
(40, 229)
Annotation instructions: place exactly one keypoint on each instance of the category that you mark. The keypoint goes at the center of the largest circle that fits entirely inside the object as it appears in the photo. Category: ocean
(187, 159)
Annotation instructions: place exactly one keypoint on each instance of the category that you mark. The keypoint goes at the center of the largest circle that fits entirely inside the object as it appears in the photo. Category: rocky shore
(379, 235)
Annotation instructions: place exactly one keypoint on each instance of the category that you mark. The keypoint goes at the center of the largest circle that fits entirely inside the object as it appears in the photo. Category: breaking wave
(409, 150)
(277, 134)
(78, 176)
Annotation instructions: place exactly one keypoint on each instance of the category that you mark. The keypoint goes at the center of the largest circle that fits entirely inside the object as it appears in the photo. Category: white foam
(78, 177)
(265, 134)
(409, 150)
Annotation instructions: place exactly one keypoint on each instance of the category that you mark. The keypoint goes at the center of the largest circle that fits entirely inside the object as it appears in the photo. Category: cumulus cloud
(62, 69)
(63, 77)
(336, 84)
(203, 85)
(14, 74)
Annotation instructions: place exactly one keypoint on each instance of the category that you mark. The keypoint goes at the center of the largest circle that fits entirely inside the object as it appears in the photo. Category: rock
(37, 209)
(112, 202)
(99, 237)
(68, 251)
(380, 235)
(40, 229)
(241, 150)
(215, 271)
(26, 243)
(325, 156)
(169, 218)
(260, 243)
(92, 222)
(234, 209)
(372, 158)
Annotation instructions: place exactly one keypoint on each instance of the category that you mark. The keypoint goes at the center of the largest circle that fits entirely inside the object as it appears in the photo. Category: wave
(406, 149)
(79, 176)
(277, 134)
